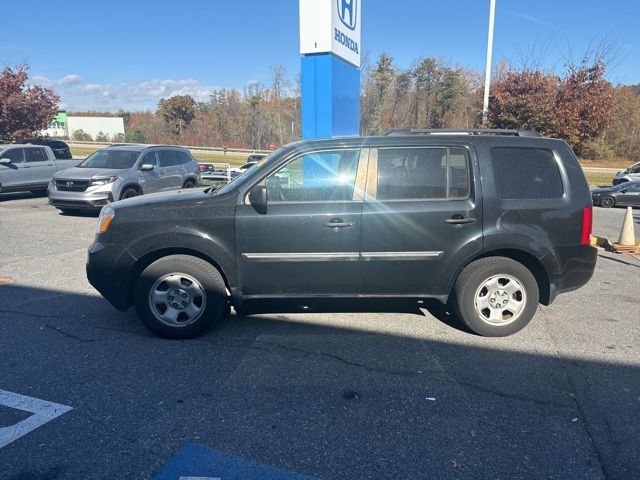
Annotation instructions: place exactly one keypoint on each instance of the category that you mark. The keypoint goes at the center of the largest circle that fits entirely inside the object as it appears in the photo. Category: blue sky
(128, 54)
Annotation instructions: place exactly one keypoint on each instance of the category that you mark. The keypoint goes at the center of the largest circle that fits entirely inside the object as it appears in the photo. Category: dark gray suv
(492, 222)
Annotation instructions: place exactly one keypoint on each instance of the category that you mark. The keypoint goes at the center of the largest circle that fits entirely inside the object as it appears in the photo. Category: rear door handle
(460, 220)
(338, 223)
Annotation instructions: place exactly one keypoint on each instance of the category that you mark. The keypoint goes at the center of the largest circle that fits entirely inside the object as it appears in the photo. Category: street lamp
(487, 73)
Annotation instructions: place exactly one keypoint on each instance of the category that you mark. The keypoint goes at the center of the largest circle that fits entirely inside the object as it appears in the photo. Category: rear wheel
(129, 192)
(180, 296)
(189, 184)
(607, 202)
(496, 296)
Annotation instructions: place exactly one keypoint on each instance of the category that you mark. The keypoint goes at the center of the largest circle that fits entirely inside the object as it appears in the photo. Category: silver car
(631, 174)
(123, 171)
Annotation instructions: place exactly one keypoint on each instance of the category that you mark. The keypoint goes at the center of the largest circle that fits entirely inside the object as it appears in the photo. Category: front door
(171, 166)
(419, 214)
(629, 195)
(306, 244)
(14, 174)
(151, 181)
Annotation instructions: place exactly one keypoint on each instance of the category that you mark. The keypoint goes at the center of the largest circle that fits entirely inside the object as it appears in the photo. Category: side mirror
(5, 161)
(623, 190)
(258, 198)
(145, 167)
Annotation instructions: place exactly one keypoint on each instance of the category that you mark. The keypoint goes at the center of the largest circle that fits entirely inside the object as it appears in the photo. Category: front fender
(184, 240)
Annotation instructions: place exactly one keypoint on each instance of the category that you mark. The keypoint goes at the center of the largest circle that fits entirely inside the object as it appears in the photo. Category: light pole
(487, 73)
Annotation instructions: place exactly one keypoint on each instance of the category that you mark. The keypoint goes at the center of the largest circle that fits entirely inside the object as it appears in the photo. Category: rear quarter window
(526, 173)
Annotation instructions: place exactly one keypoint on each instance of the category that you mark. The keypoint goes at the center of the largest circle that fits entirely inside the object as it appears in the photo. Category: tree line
(598, 119)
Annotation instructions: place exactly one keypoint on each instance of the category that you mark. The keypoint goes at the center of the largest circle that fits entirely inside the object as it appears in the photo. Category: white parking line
(42, 410)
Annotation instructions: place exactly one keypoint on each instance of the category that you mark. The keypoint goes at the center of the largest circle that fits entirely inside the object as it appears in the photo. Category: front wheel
(180, 296)
(607, 202)
(129, 193)
(496, 296)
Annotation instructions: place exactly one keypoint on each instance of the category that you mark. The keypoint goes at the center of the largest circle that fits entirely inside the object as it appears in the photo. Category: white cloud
(77, 94)
(70, 79)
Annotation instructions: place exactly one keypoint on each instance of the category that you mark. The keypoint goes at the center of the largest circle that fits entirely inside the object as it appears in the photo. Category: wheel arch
(530, 261)
(150, 257)
(133, 185)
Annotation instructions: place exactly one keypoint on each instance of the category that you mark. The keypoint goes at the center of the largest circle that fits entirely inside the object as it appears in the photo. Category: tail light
(587, 225)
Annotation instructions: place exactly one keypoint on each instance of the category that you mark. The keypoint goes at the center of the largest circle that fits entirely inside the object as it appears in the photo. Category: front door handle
(460, 220)
(338, 223)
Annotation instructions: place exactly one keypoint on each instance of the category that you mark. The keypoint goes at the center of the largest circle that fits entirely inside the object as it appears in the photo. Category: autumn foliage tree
(24, 109)
(178, 112)
(576, 107)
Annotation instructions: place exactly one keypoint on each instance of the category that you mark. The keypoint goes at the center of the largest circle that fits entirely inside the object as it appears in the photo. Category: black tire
(214, 303)
(189, 184)
(471, 284)
(607, 202)
(129, 192)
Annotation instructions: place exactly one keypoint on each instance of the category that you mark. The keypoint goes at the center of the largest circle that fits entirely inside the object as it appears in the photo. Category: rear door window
(168, 158)
(425, 173)
(36, 155)
(526, 173)
(183, 157)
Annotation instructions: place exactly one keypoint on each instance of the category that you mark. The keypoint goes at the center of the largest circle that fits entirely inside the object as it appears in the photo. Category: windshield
(250, 173)
(112, 159)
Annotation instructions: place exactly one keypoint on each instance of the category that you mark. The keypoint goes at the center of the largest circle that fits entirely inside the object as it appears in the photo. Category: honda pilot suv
(122, 171)
(492, 222)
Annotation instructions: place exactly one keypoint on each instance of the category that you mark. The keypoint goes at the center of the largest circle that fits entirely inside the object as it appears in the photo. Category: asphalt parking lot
(369, 395)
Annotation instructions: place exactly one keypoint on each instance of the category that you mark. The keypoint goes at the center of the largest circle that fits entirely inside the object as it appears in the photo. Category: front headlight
(107, 214)
(102, 181)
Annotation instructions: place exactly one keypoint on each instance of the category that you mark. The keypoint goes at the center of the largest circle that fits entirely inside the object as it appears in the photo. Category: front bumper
(94, 198)
(109, 268)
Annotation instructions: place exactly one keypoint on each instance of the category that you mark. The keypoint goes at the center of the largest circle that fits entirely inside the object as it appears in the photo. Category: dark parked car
(60, 149)
(256, 157)
(624, 194)
(493, 222)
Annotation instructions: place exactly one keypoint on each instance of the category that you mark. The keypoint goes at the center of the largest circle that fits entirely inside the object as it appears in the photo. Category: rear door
(172, 169)
(420, 216)
(15, 174)
(41, 167)
(306, 244)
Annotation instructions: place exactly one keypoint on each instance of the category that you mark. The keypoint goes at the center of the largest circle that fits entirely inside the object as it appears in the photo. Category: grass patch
(217, 158)
(598, 178)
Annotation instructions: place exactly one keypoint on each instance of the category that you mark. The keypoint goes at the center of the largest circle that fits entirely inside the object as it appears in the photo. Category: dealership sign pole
(487, 72)
(330, 48)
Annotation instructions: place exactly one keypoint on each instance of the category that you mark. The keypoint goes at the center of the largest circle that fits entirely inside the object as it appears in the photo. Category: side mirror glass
(5, 161)
(145, 167)
(258, 198)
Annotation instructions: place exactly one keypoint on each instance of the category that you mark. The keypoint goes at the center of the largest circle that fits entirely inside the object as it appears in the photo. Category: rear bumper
(109, 269)
(575, 267)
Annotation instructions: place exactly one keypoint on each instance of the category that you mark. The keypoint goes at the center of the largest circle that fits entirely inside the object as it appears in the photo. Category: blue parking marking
(197, 461)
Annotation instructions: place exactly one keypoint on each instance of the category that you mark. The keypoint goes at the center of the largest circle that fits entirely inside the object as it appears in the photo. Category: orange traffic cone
(627, 240)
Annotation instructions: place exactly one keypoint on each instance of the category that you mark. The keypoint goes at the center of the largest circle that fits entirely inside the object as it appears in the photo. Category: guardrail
(238, 152)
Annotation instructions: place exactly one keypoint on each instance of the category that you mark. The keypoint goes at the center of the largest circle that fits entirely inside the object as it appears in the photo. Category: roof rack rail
(456, 131)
